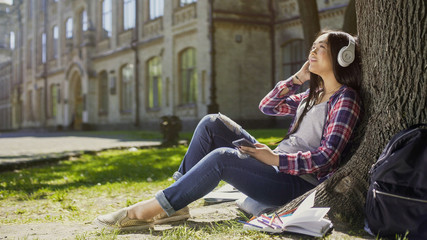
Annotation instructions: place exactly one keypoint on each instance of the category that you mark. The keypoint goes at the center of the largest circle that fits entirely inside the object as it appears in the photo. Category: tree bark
(309, 16)
(394, 62)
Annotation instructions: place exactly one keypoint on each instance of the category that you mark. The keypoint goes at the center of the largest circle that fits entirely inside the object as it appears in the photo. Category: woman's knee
(226, 155)
(223, 119)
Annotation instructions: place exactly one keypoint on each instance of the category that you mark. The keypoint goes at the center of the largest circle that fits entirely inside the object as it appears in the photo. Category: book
(226, 193)
(305, 219)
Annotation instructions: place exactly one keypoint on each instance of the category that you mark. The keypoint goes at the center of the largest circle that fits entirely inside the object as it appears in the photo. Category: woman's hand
(263, 153)
(303, 74)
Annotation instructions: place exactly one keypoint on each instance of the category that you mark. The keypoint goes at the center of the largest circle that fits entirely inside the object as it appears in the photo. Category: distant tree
(350, 21)
(394, 58)
(309, 16)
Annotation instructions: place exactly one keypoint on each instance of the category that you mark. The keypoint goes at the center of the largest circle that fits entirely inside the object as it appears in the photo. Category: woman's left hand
(263, 153)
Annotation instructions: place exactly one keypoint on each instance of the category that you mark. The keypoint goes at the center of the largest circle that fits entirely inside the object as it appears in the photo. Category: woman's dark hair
(349, 76)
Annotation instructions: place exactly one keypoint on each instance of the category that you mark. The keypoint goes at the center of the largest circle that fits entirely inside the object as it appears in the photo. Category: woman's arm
(280, 101)
(343, 118)
(277, 104)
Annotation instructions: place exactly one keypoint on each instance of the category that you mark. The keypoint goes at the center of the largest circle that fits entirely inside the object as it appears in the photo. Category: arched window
(103, 93)
(293, 57)
(154, 84)
(188, 76)
(126, 88)
(69, 28)
(107, 18)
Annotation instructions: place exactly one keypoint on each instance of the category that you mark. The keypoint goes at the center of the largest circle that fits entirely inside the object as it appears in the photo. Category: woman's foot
(119, 220)
(151, 210)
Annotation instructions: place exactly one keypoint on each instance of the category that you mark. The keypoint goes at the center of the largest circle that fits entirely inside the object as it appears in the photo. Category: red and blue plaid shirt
(344, 108)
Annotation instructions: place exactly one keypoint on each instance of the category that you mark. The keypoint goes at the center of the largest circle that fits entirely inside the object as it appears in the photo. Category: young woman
(324, 118)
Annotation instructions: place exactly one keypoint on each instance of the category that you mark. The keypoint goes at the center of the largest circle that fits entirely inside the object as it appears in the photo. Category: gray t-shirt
(308, 135)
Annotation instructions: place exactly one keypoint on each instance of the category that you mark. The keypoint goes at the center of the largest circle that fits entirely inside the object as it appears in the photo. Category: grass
(72, 187)
(78, 189)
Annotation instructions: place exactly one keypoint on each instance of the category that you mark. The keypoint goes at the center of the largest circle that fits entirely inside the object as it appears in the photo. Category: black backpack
(396, 202)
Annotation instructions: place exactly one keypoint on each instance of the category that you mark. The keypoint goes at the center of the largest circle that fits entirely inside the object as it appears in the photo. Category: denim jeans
(211, 157)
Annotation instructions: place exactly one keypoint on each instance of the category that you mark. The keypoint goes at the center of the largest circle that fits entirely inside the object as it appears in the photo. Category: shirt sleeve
(276, 105)
(343, 117)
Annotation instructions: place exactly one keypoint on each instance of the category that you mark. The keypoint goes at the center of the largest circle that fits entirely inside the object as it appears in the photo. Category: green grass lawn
(79, 189)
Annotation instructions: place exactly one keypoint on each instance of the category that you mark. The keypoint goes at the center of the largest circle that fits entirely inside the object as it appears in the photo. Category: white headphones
(346, 54)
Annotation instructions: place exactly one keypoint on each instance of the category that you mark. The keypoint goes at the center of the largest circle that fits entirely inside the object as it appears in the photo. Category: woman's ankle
(145, 210)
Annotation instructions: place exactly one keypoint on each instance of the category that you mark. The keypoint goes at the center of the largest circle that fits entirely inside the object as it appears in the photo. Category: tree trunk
(394, 59)
(309, 16)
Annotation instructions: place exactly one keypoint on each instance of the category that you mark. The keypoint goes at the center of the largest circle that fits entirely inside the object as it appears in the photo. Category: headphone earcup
(346, 55)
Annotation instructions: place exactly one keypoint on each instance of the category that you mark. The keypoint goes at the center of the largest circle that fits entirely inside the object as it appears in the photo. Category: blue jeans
(211, 157)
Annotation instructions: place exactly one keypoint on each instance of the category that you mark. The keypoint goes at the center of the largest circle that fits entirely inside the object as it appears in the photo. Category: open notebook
(304, 220)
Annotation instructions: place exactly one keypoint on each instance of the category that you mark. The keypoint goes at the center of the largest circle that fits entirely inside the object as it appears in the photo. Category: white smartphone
(243, 142)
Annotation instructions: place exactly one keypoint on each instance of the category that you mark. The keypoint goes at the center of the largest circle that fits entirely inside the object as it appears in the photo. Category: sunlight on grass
(118, 177)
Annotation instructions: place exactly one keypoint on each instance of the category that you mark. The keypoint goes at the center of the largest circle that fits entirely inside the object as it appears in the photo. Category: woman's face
(320, 57)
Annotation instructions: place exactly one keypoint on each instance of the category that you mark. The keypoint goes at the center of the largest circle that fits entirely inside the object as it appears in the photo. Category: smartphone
(243, 142)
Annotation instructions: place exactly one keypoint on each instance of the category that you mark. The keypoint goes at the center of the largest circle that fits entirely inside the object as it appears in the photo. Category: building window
(44, 48)
(154, 83)
(186, 2)
(53, 100)
(55, 42)
(293, 57)
(126, 88)
(69, 28)
(83, 18)
(12, 40)
(128, 14)
(188, 76)
(107, 19)
(103, 93)
(156, 8)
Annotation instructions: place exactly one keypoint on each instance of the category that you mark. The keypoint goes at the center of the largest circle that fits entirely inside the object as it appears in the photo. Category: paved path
(20, 149)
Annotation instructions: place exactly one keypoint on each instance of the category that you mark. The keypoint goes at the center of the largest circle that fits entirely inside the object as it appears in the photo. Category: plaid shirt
(344, 108)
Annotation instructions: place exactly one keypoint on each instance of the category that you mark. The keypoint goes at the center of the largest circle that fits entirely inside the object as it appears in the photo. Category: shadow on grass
(98, 169)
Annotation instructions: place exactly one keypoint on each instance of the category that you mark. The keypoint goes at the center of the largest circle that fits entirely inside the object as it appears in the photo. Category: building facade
(122, 64)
